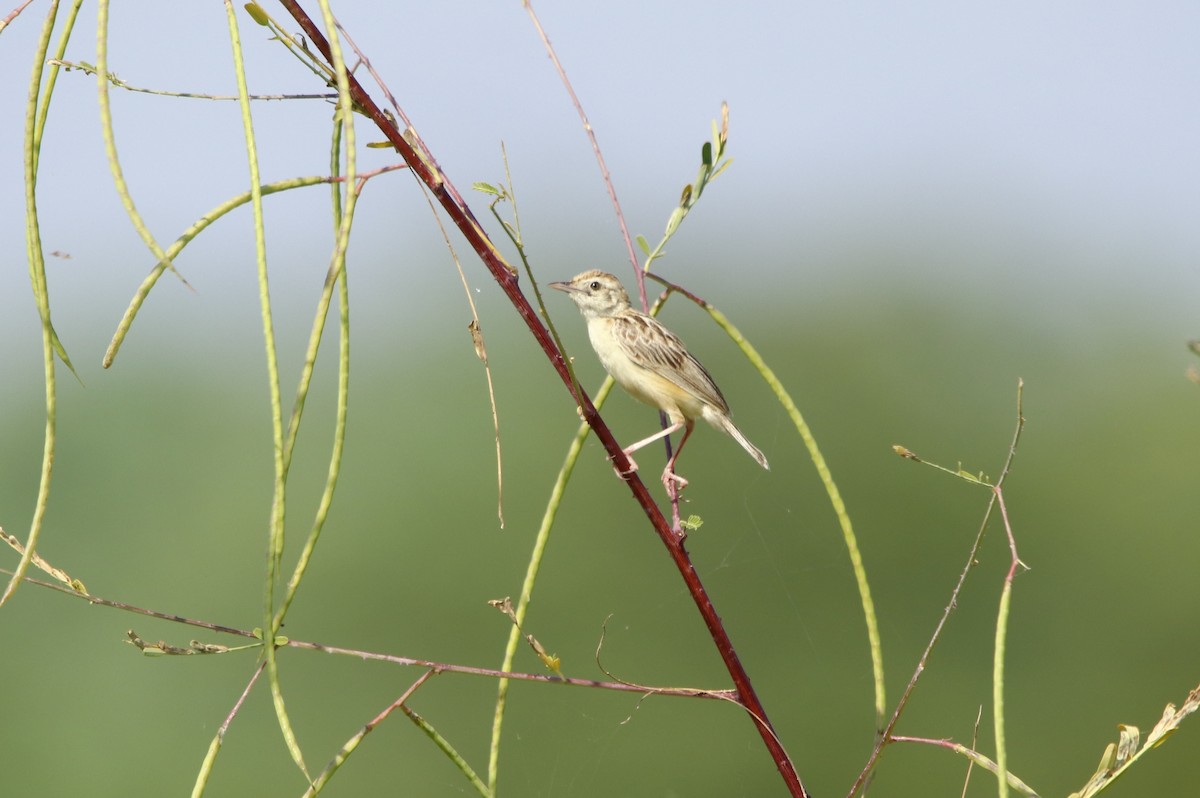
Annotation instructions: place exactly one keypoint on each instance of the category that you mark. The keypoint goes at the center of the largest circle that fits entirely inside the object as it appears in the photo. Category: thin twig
(394, 659)
(241, 699)
(673, 493)
(352, 744)
(16, 12)
(973, 757)
(885, 735)
(591, 134)
(214, 747)
(88, 69)
(475, 328)
(974, 745)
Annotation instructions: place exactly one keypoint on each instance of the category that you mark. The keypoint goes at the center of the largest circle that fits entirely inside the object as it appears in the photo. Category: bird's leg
(633, 447)
(668, 475)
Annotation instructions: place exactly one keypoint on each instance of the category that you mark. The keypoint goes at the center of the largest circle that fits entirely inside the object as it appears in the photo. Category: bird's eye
(595, 286)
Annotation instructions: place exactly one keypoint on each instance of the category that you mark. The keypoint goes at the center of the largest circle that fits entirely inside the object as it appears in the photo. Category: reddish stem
(506, 276)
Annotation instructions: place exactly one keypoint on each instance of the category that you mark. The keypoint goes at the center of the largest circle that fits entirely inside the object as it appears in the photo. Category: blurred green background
(934, 226)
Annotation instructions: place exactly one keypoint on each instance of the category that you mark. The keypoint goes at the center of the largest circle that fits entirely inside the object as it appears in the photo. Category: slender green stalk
(450, 752)
(52, 77)
(531, 573)
(110, 141)
(1002, 638)
(998, 688)
(351, 745)
(835, 499)
(37, 278)
(206, 766)
(275, 537)
(343, 215)
(1005, 602)
(536, 555)
(185, 238)
(37, 110)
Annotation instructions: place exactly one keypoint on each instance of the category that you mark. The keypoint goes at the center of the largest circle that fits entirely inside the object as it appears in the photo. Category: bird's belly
(655, 390)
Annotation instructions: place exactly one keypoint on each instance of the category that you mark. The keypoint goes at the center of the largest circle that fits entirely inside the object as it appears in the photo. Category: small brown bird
(652, 364)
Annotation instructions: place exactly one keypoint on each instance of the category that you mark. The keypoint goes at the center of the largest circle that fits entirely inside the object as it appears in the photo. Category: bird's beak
(565, 287)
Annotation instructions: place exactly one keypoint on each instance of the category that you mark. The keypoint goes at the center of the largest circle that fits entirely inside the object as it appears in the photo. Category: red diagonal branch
(506, 276)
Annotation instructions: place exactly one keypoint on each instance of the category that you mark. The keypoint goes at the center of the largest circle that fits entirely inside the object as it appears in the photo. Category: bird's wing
(653, 347)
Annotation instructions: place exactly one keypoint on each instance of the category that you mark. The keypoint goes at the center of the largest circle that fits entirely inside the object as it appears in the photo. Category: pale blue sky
(1040, 150)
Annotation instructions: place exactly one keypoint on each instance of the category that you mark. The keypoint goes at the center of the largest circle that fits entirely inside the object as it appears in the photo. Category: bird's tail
(724, 422)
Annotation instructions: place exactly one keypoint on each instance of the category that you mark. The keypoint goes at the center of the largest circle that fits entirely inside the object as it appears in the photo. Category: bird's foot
(633, 467)
(669, 478)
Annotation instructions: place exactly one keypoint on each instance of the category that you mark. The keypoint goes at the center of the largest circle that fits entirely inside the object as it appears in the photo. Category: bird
(652, 364)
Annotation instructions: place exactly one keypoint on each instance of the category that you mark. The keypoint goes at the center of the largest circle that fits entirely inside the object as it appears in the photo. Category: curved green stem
(835, 499)
(275, 535)
(35, 121)
(185, 238)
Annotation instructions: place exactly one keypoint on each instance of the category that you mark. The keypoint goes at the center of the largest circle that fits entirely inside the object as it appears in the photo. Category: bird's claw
(669, 476)
(633, 467)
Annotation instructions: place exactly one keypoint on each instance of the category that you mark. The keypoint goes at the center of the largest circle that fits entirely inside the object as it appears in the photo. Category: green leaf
(487, 188)
(1128, 744)
(643, 243)
(673, 222)
(257, 13)
(969, 477)
(61, 351)
(706, 154)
